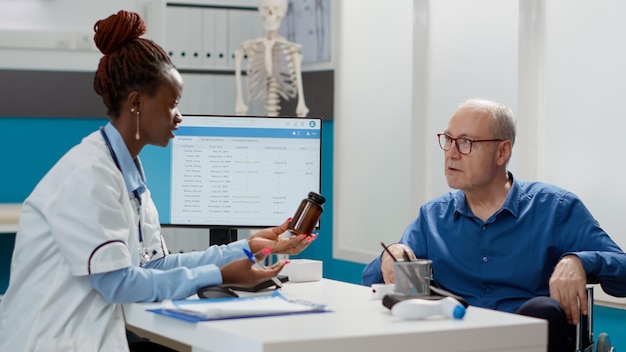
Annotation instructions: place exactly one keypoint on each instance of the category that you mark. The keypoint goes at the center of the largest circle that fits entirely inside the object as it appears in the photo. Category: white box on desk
(299, 270)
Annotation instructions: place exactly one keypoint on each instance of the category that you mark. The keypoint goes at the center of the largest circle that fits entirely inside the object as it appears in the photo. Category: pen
(413, 277)
(406, 257)
(261, 267)
(388, 252)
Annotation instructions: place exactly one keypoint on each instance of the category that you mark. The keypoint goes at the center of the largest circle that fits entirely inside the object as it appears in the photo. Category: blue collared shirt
(504, 261)
(174, 276)
(131, 168)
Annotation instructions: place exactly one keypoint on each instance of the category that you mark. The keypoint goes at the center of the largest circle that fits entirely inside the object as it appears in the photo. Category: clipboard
(274, 304)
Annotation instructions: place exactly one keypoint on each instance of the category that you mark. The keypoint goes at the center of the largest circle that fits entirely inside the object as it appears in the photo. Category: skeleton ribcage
(282, 80)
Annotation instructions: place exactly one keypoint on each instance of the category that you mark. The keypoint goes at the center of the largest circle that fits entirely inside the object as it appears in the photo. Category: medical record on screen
(241, 171)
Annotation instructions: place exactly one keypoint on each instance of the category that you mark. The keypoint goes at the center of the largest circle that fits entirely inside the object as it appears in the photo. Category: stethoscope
(144, 255)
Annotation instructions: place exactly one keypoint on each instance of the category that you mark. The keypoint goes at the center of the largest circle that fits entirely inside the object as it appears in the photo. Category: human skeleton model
(274, 65)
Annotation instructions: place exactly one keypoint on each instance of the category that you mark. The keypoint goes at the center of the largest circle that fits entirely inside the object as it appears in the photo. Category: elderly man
(503, 243)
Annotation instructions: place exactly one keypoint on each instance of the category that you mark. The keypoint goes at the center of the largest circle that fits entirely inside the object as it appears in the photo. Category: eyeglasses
(463, 145)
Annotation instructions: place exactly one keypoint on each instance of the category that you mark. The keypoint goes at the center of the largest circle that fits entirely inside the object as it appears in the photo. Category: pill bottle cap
(317, 198)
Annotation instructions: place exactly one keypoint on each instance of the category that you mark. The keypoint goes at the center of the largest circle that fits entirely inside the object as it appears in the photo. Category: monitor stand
(222, 236)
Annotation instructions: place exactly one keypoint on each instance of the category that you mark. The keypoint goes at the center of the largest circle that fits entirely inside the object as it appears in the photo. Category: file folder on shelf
(197, 310)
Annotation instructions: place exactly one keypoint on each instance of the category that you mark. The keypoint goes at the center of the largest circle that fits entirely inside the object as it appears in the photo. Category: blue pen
(261, 266)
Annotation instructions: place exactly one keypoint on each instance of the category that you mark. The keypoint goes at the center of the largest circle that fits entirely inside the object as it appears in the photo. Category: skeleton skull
(272, 13)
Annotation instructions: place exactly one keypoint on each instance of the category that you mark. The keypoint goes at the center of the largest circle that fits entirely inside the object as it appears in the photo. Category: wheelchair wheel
(604, 343)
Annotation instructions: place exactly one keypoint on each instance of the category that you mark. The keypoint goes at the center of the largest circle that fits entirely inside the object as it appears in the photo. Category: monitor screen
(236, 171)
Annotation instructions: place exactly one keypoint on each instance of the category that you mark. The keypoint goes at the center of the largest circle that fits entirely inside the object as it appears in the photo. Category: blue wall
(613, 322)
(30, 146)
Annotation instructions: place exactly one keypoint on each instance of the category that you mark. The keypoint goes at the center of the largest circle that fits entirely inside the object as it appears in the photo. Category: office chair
(584, 330)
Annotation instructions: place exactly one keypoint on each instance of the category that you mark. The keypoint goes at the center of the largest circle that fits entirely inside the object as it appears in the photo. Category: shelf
(9, 216)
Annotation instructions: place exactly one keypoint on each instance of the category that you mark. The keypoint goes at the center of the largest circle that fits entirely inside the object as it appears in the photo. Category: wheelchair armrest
(592, 280)
(584, 328)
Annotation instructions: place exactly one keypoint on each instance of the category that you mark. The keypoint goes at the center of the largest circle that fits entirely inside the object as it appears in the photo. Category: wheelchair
(584, 331)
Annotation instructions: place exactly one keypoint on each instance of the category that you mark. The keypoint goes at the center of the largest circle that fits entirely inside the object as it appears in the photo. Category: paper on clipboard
(234, 308)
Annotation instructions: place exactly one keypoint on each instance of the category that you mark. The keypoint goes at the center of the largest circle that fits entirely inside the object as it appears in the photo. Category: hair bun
(116, 30)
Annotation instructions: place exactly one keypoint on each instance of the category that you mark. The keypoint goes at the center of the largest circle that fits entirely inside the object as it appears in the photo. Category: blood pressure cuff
(436, 293)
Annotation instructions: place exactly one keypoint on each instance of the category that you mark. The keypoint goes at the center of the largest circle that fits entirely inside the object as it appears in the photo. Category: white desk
(358, 323)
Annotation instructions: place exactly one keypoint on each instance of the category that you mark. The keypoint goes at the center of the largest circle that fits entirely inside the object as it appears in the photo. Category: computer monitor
(233, 172)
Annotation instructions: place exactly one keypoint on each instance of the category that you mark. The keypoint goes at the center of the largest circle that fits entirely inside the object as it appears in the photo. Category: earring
(137, 136)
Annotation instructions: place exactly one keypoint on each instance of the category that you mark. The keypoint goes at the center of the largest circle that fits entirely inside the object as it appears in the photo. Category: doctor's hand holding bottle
(262, 243)
(271, 237)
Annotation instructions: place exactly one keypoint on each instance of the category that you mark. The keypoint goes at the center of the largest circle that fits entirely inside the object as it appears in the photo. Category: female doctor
(89, 236)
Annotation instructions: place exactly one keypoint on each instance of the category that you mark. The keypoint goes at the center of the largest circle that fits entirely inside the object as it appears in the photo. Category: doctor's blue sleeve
(216, 255)
(134, 284)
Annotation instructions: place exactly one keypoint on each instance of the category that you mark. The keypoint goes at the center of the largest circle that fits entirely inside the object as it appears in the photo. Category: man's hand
(568, 286)
(386, 262)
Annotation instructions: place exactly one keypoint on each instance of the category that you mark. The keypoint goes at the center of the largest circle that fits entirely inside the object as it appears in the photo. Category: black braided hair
(129, 62)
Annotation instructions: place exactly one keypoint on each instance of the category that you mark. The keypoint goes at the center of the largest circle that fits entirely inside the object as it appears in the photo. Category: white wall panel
(584, 87)
(372, 159)
(473, 53)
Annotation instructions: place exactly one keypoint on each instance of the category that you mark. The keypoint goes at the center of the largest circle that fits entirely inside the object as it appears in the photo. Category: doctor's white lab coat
(80, 219)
